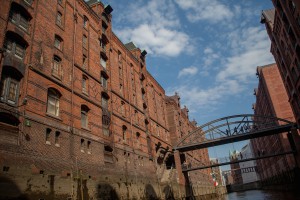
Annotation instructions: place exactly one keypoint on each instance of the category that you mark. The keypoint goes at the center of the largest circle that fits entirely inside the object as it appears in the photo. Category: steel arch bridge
(233, 129)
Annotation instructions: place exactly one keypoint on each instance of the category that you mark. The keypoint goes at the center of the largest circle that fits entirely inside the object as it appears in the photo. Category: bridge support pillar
(178, 162)
(188, 187)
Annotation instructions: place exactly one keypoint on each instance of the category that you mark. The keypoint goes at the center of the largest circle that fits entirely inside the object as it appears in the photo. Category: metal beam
(236, 138)
(233, 162)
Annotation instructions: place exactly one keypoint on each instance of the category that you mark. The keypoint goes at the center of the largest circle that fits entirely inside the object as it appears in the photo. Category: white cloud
(196, 98)
(247, 49)
(211, 10)
(188, 71)
(156, 40)
(250, 49)
(156, 28)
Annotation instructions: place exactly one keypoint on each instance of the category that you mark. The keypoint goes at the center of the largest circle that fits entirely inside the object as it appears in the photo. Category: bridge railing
(231, 126)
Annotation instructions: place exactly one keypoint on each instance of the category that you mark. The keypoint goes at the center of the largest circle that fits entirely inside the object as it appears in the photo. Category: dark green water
(262, 195)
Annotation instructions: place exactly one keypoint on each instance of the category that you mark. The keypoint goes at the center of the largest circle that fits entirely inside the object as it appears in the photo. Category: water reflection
(261, 195)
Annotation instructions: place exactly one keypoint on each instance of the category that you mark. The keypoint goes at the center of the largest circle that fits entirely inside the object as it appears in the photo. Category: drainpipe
(72, 93)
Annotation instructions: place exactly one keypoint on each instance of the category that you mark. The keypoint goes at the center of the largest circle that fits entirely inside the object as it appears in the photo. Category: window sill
(48, 142)
(57, 76)
(85, 93)
(58, 49)
(53, 116)
(57, 145)
(86, 129)
(60, 26)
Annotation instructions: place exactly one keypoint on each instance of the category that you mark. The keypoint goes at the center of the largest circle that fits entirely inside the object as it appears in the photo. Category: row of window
(53, 106)
(85, 145)
(56, 137)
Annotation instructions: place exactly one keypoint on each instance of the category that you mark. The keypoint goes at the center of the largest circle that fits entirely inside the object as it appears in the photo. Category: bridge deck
(187, 169)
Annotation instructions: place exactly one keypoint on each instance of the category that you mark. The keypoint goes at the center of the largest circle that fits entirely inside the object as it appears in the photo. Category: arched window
(84, 84)
(56, 69)
(58, 42)
(124, 128)
(15, 45)
(84, 116)
(85, 21)
(9, 85)
(19, 16)
(84, 41)
(53, 102)
(59, 18)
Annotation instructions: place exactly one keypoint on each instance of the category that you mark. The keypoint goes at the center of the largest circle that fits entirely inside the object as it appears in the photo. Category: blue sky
(206, 50)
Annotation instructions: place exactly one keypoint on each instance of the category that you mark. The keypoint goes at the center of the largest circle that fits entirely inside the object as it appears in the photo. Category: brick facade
(80, 115)
(272, 100)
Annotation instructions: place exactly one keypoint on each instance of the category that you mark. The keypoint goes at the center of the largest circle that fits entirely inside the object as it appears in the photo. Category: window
(138, 144)
(85, 21)
(84, 61)
(19, 16)
(104, 28)
(59, 19)
(143, 94)
(48, 132)
(119, 56)
(124, 128)
(57, 134)
(53, 102)
(103, 62)
(82, 145)
(108, 156)
(56, 69)
(136, 118)
(84, 116)
(103, 45)
(122, 108)
(103, 82)
(120, 72)
(104, 102)
(84, 84)
(59, 1)
(121, 89)
(15, 48)
(9, 87)
(89, 147)
(84, 41)
(58, 42)
(105, 131)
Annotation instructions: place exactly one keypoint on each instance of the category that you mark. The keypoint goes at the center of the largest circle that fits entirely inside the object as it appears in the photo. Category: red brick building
(272, 100)
(180, 126)
(80, 115)
(283, 27)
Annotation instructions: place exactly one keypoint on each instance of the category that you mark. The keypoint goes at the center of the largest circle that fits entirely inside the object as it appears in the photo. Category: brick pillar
(179, 167)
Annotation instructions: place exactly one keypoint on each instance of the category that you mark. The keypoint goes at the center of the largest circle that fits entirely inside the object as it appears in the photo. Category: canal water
(262, 195)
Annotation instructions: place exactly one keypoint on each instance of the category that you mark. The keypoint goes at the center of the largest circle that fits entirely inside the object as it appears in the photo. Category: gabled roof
(130, 46)
(268, 16)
